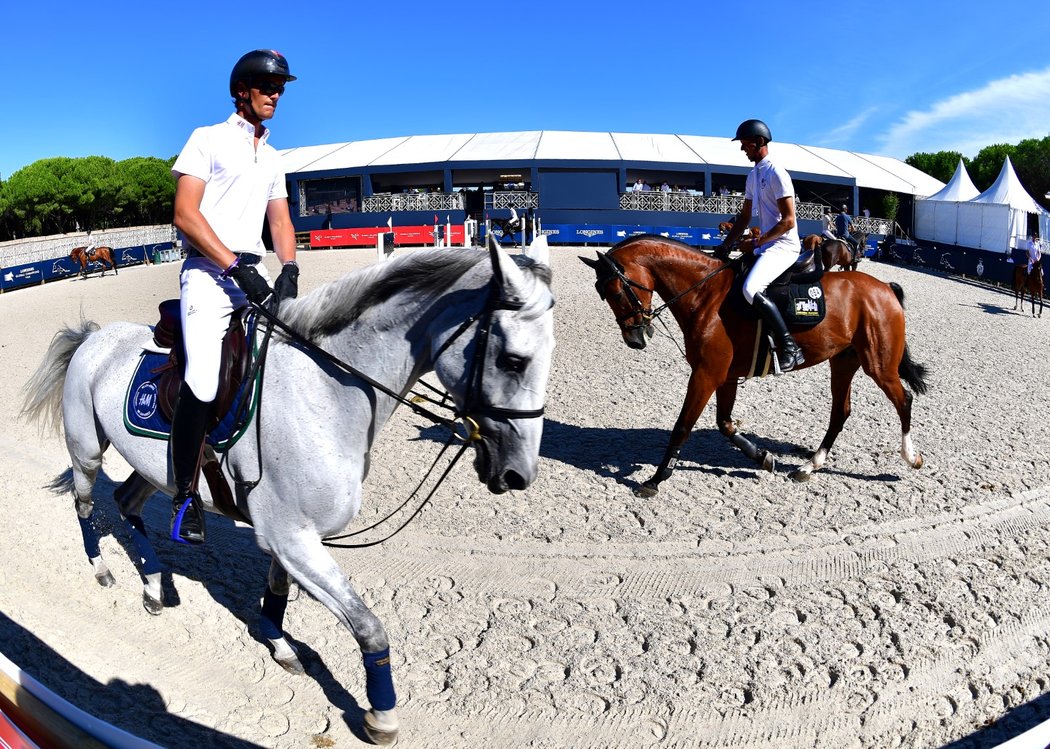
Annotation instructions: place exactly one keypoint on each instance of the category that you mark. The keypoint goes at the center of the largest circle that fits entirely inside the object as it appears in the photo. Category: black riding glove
(287, 285)
(252, 284)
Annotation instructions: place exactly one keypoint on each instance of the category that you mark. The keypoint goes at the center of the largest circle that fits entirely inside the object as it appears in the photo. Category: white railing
(872, 225)
(512, 199)
(412, 201)
(35, 249)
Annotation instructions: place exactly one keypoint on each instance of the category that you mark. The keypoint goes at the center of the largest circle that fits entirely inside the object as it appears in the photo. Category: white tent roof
(959, 188)
(1008, 190)
(869, 171)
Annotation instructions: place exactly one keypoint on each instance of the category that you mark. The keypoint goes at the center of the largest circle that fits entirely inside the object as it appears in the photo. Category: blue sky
(133, 79)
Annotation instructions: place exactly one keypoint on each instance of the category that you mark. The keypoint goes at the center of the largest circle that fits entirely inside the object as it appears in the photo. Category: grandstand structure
(595, 183)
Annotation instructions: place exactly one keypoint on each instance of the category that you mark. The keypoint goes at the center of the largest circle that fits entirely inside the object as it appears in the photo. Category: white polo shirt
(240, 180)
(766, 184)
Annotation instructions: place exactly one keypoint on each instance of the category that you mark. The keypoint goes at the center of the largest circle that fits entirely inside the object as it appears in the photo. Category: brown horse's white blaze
(863, 329)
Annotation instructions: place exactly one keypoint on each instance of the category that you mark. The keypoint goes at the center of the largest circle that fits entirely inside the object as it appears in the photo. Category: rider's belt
(246, 258)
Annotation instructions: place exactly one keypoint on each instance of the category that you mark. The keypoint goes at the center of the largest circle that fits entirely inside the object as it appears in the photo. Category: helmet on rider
(256, 64)
(753, 129)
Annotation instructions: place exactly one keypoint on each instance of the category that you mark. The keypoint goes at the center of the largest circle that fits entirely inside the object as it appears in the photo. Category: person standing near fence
(228, 181)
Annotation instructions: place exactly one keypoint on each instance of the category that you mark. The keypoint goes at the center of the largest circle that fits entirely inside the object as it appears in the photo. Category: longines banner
(27, 274)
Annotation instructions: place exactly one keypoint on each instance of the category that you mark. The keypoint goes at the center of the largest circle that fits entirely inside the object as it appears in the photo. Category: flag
(390, 223)
(435, 218)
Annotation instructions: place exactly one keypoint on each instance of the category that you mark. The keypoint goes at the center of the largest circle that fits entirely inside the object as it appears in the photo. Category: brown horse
(727, 226)
(101, 255)
(835, 252)
(863, 328)
(1030, 282)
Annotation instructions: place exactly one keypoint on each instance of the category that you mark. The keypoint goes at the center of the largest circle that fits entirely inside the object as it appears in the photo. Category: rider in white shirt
(770, 189)
(1035, 251)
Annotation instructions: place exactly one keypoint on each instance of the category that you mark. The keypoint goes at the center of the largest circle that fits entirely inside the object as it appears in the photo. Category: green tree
(987, 164)
(940, 165)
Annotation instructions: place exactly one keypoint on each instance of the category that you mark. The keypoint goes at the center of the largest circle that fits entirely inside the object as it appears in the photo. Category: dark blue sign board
(28, 274)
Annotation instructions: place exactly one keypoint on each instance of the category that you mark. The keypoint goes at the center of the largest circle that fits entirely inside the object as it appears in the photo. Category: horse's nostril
(515, 481)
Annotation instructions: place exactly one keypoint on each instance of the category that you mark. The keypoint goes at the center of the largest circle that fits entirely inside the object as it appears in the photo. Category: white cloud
(844, 133)
(1003, 111)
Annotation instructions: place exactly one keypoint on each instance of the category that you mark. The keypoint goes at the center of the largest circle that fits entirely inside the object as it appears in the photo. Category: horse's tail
(910, 371)
(43, 391)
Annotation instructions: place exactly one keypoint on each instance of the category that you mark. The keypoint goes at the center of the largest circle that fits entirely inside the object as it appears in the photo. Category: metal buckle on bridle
(471, 428)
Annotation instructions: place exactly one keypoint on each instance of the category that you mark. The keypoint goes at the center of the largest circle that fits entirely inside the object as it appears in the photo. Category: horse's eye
(512, 363)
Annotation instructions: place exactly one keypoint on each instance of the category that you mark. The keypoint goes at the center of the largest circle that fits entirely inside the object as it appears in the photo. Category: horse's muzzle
(635, 337)
(498, 479)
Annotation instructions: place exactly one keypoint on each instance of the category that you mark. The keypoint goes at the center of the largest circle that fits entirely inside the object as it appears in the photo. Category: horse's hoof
(291, 664)
(801, 476)
(153, 606)
(380, 731)
(646, 490)
(769, 462)
(105, 579)
(918, 462)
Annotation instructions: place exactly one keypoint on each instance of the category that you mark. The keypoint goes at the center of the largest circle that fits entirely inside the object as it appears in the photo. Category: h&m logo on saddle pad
(143, 415)
(800, 304)
(809, 306)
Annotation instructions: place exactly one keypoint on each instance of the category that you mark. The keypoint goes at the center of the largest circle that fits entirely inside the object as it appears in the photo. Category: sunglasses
(268, 88)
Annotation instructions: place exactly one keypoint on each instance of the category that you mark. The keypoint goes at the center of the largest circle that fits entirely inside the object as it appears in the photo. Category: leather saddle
(233, 368)
(233, 364)
(797, 292)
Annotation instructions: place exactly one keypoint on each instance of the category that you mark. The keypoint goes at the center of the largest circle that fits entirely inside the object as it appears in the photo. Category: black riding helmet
(753, 129)
(258, 63)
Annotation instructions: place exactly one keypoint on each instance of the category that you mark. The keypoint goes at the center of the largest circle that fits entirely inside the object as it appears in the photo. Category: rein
(473, 403)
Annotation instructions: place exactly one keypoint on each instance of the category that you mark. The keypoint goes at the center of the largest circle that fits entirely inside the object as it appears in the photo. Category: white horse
(485, 329)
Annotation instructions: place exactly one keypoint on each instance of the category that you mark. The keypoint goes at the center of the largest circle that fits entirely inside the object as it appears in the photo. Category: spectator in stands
(769, 188)
(723, 190)
(865, 213)
(639, 185)
(228, 180)
(665, 187)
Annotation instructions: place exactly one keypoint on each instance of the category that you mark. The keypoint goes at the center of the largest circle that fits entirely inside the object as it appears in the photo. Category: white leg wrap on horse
(382, 725)
(911, 457)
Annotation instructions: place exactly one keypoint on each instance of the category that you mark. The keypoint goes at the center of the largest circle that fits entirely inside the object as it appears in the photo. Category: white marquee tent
(997, 219)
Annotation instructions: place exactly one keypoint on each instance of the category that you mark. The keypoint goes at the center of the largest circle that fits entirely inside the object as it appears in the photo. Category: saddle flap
(233, 364)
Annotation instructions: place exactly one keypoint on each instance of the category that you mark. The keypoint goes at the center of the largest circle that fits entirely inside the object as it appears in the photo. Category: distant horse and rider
(837, 252)
(862, 327)
(727, 226)
(1031, 282)
(102, 256)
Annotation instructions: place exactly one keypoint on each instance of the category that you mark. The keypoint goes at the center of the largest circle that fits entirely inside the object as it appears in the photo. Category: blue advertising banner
(577, 234)
(27, 274)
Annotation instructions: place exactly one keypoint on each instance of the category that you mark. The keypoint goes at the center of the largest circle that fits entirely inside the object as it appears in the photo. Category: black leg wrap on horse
(790, 353)
(188, 428)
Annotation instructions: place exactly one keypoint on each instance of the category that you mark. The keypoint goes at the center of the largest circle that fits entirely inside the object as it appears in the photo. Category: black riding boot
(790, 355)
(188, 427)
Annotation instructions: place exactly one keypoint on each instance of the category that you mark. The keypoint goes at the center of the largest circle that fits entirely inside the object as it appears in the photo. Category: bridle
(615, 272)
(473, 399)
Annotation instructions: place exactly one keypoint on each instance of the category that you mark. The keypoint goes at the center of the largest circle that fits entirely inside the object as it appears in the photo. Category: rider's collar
(248, 128)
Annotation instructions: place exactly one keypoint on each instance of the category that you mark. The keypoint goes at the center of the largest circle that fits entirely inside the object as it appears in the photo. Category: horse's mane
(658, 237)
(427, 275)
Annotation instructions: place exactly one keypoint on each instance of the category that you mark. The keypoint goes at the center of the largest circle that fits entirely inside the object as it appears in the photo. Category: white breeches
(206, 303)
(770, 264)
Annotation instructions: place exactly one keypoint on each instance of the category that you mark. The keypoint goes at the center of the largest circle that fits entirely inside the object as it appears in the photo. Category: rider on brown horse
(777, 247)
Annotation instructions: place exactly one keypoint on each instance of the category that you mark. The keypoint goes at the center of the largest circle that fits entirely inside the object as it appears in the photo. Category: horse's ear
(539, 250)
(587, 261)
(505, 272)
(494, 253)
